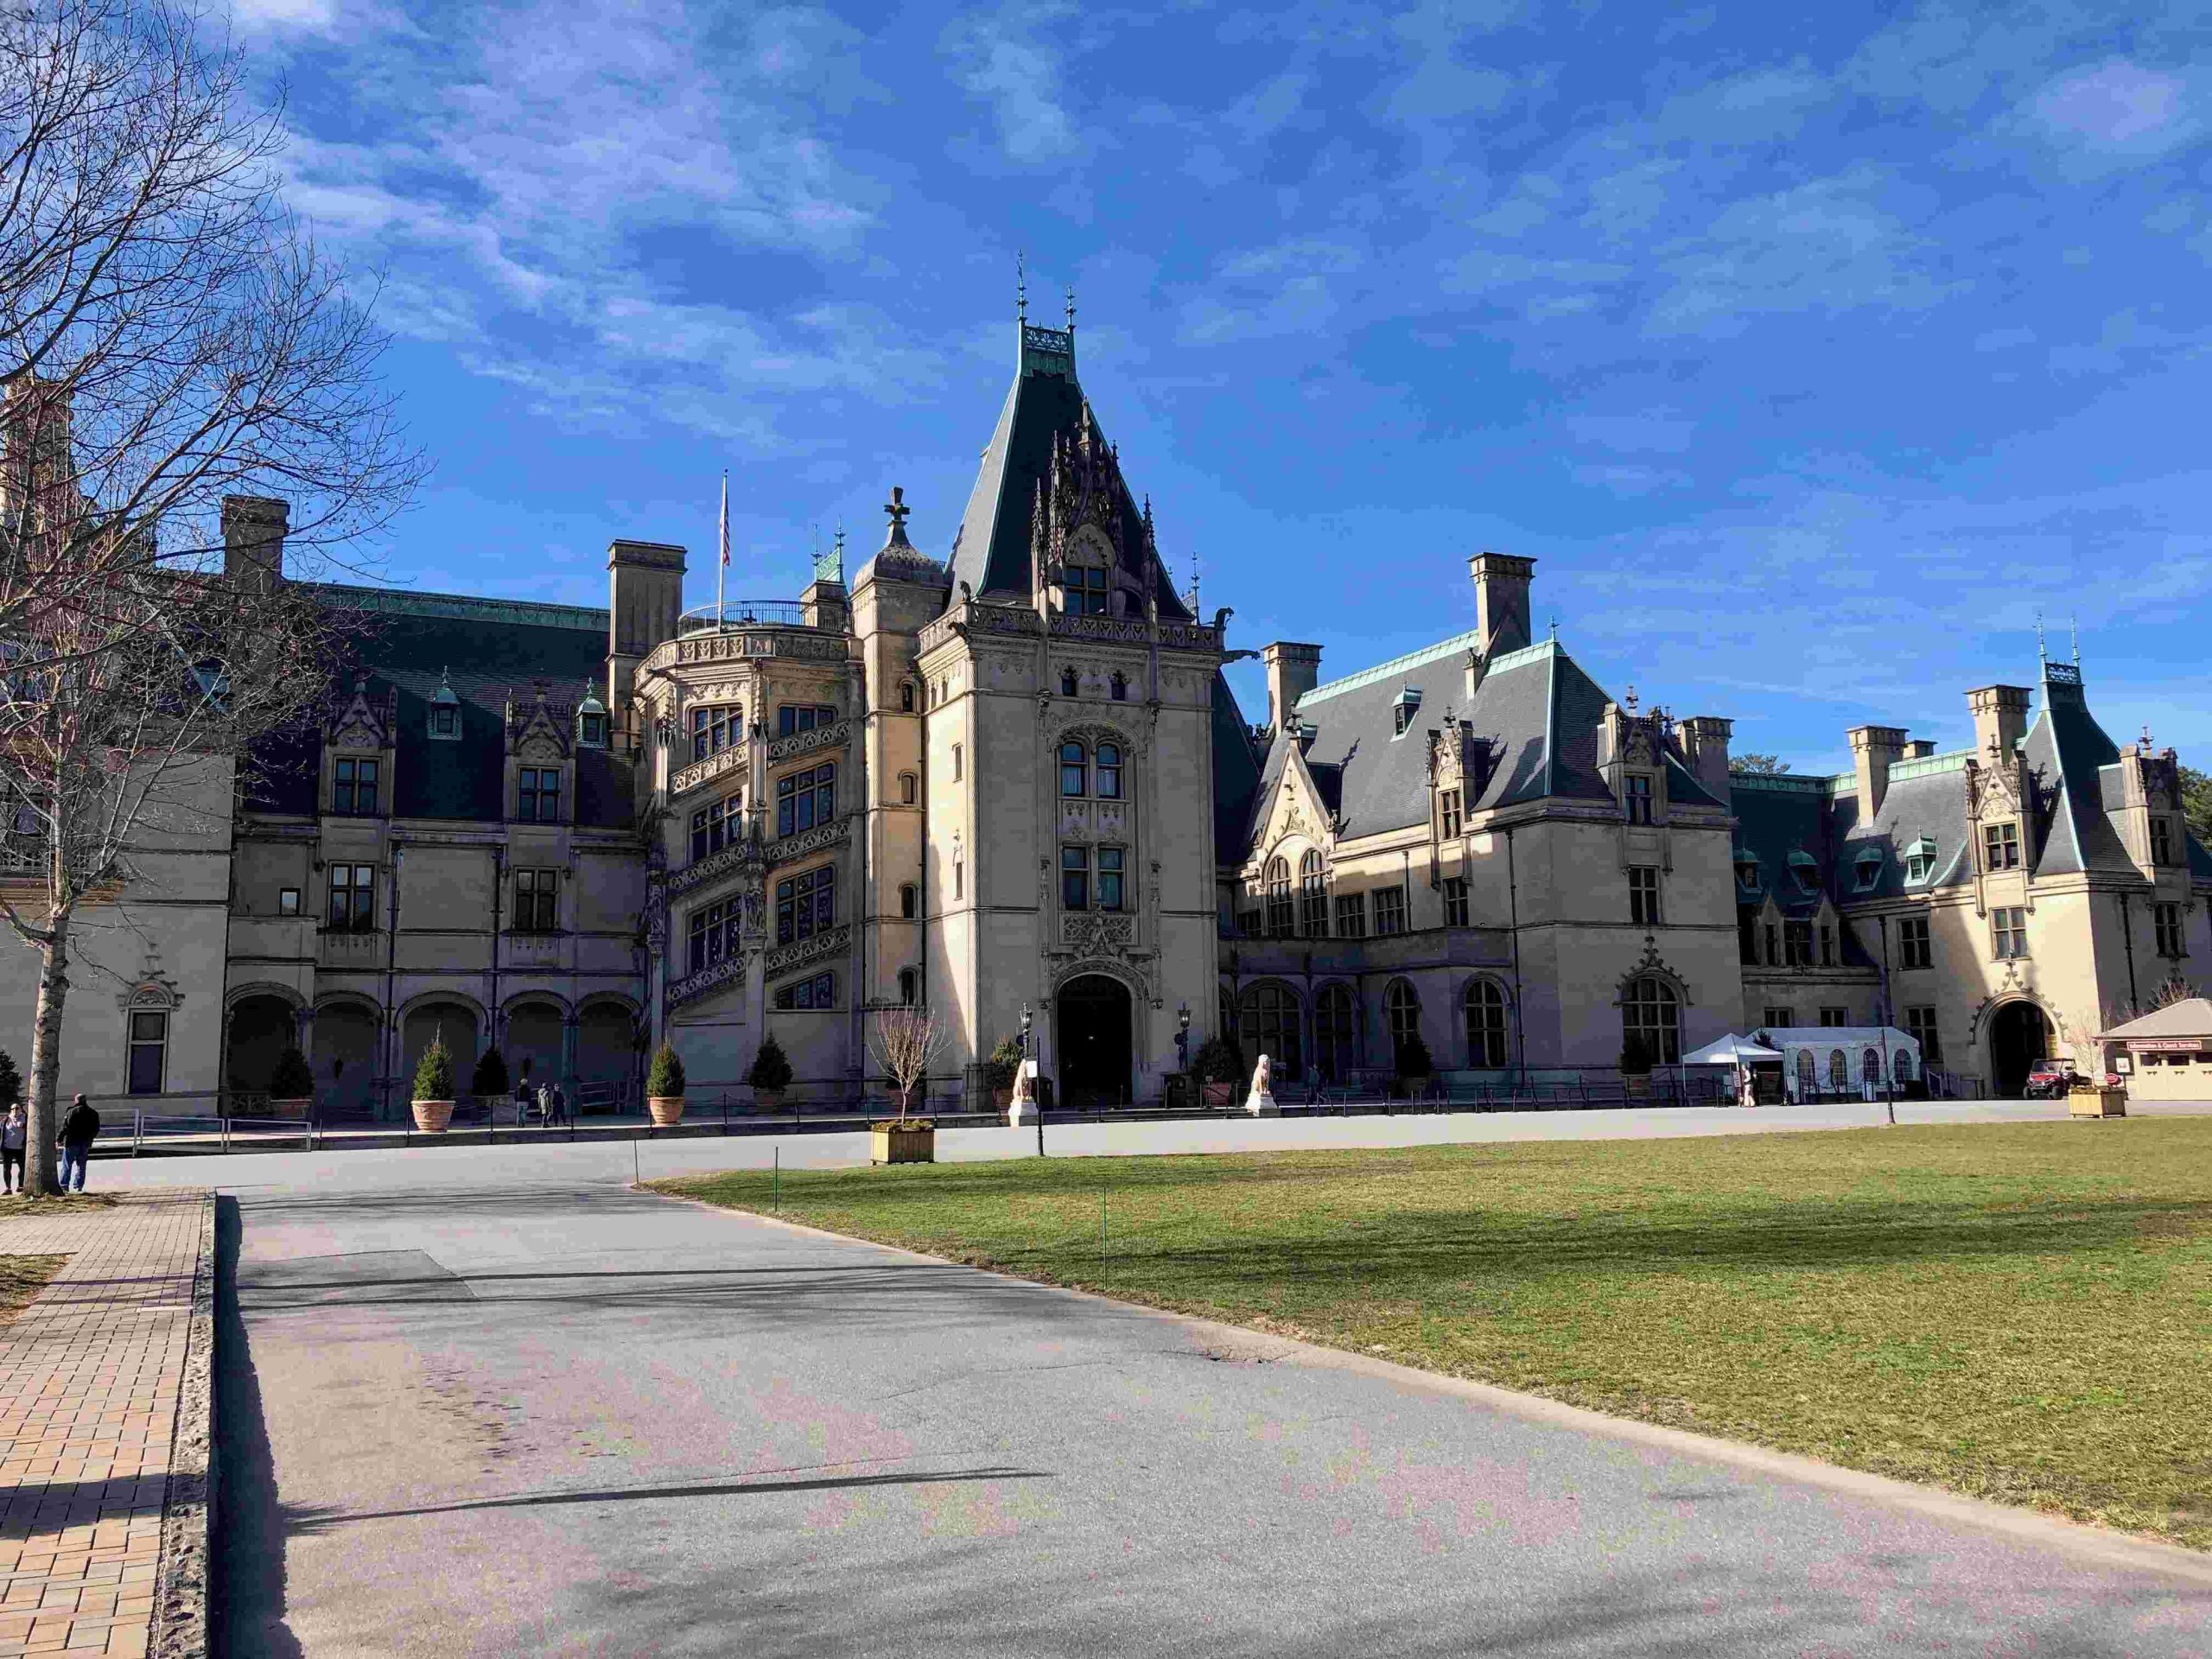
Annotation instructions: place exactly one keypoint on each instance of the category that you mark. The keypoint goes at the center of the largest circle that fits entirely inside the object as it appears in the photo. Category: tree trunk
(43, 1121)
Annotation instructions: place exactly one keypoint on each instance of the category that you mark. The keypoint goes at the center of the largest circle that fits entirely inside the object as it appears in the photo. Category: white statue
(1022, 1108)
(1260, 1102)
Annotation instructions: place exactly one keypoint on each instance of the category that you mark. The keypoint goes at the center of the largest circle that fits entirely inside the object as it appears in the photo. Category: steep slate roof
(2067, 748)
(1237, 783)
(991, 552)
(485, 649)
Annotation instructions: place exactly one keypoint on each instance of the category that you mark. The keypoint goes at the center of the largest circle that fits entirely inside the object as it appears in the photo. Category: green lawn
(2019, 1311)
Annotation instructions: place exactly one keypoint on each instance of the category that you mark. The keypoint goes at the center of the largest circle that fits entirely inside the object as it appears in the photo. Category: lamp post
(1037, 1103)
(1183, 1049)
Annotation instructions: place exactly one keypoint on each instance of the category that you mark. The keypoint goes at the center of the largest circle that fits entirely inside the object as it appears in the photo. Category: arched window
(1312, 897)
(910, 900)
(910, 788)
(1807, 1085)
(1336, 1032)
(1121, 688)
(1270, 1012)
(909, 986)
(1278, 885)
(148, 1062)
(1106, 775)
(1901, 1066)
(1486, 1009)
(1067, 683)
(1401, 1014)
(1651, 1018)
(1074, 771)
(1870, 1066)
(1838, 1070)
(906, 697)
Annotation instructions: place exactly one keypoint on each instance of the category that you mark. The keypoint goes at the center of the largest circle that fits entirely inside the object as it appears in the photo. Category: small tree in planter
(1219, 1067)
(664, 1088)
(1636, 1067)
(770, 1076)
(489, 1080)
(434, 1086)
(292, 1083)
(999, 1069)
(1414, 1066)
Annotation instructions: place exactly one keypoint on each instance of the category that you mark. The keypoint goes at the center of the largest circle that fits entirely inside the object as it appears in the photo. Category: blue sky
(1810, 355)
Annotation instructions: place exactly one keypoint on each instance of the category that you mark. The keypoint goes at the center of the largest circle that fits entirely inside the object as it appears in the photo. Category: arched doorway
(2018, 1036)
(345, 1061)
(606, 1043)
(262, 1028)
(534, 1044)
(456, 1023)
(1091, 1017)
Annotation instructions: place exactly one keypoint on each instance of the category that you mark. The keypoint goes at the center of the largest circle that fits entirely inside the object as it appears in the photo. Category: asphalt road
(539, 1413)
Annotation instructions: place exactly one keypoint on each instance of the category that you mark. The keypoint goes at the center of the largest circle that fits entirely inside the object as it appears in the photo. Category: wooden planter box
(2096, 1103)
(432, 1116)
(896, 1145)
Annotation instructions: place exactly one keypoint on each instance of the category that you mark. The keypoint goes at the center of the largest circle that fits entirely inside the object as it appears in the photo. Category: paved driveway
(548, 1414)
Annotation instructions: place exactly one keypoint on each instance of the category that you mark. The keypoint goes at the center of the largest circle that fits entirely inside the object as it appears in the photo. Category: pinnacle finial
(896, 509)
(1020, 288)
(2073, 634)
(2042, 654)
(1071, 308)
(1630, 699)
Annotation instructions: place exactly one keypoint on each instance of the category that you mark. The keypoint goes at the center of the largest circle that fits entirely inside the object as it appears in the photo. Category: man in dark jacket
(76, 1141)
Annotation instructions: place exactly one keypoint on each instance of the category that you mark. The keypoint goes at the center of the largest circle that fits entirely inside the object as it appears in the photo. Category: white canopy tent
(1836, 1060)
(1733, 1051)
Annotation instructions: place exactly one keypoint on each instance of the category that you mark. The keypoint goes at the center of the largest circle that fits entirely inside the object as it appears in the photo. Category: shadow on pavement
(248, 1589)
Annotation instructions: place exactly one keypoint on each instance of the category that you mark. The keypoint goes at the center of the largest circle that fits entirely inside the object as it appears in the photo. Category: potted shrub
(1219, 1068)
(1414, 1066)
(770, 1076)
(291, 1085)
(434, 1088)
(489, 1081)
(664, 1088)
(1635, 1069)
(998, 1073)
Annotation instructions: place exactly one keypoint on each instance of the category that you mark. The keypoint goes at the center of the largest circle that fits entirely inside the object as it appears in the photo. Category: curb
(2079, 1539)
(181, 1581)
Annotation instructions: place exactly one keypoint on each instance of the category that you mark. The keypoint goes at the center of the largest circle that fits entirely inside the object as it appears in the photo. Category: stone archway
(606, 1044)
(263, 1026)
(1094, 1020)
(2020, 1035)
(345, 1060)
(534, 1042)
(456, 1022)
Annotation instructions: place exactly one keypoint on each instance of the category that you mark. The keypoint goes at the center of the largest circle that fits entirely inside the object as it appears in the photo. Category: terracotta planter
(1219, 1093)
(896, 1145)
(1001, 1098)
(667, 1110)
(432, 1116)
(297, 1111)
(769, 1103)
(1635, 1087)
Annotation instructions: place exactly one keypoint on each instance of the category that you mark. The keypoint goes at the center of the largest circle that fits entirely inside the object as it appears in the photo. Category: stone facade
(1011, 784)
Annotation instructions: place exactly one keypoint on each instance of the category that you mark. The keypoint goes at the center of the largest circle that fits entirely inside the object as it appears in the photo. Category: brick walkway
(90, 1374)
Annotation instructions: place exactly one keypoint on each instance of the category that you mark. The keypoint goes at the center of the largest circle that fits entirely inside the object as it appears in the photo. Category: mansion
(1007, 780)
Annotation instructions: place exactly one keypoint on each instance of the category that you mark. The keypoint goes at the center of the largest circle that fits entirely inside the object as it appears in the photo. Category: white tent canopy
(1732, 1050)
(1838, 1059)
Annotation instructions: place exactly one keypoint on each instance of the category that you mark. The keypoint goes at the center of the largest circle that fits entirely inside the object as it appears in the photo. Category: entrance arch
(262, 1027)
(1092, 1020)
(456, 1022)
(346, 1060)
(2018, 1036)
(534, 1044)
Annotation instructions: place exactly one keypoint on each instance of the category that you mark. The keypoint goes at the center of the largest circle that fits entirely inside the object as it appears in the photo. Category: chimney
(2000, 719)
(1293, 670)
(1501, 601)
(1875, 750)
(254, 528)
(1705, 737)
(646, 582)
(1919, 748)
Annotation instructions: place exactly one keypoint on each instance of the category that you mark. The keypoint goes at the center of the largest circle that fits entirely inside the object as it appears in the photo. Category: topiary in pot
(1219, 1067)
(770, 1076)
(999, 1069)
(293, 1081)
(490, 1079)
(434, 1086)
(1413, 1064)
(665, 1088)
(1636, 1067)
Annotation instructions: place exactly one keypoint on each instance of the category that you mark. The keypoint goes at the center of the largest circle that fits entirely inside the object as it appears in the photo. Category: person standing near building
(78, 1130)
(11, 1147)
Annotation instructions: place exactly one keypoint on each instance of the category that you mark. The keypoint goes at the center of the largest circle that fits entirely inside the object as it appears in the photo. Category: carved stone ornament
(1992, 789)
(362, 719)
(1652, 963)
(1138, 973)
(1096, 934)
(539, 729)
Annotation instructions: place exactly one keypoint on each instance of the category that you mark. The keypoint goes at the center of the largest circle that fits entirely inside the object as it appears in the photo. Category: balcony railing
(743, 613)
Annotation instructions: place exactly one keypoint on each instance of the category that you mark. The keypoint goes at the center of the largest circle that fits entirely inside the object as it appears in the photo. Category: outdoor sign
(2165, 1044)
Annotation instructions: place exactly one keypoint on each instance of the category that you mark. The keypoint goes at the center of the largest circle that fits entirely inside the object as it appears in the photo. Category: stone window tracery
(1651, 1020)
(1401, 1018)
(1485, 1012)
(1277, 883)
(1313, 896)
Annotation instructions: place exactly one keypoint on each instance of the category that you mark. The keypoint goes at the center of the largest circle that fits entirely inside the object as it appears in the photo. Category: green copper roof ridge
(1426, 654)
(466, 607)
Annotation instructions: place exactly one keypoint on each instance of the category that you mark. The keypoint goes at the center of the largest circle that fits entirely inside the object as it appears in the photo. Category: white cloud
(2118, 105)
(1020, 78)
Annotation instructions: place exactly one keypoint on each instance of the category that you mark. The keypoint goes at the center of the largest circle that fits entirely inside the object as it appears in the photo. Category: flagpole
(721, 570)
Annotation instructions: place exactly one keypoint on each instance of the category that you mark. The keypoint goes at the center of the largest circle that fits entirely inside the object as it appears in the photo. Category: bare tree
(903, 1042)
(170, 339)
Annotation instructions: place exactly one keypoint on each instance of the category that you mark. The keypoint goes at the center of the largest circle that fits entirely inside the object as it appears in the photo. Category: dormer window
(591, 721)
(1085, 588)
(1919, 861)
(445, 712)
(1402, 710)
(1807, 871)
(2000, 846)
(1638, 797)
(1868, 864)
(1747, 869)
(2162, 841)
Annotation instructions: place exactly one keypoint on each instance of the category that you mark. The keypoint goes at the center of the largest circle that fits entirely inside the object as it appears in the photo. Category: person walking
(76, 1143)
(560, 1105)
(522, 1102)
(11, 1147)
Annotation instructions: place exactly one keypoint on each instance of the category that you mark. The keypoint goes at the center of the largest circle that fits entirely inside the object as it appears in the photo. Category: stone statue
(1022, 1107)
(1260, 1102)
